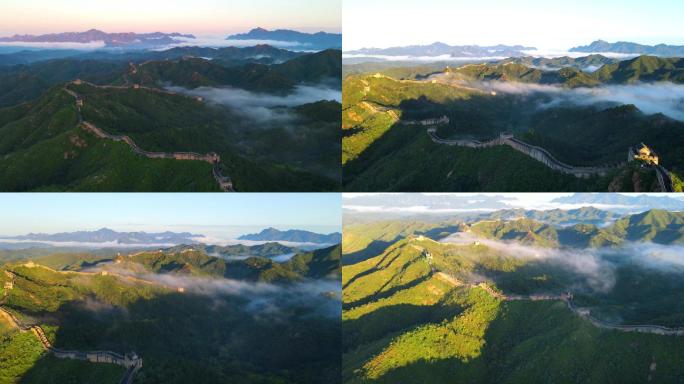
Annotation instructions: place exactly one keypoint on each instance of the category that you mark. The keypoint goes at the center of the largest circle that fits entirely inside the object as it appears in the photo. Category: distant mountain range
(106, 235)
(293, 235)
(311, 68)
(585, 215)
(126, 39)
(587, 63)
(631, 48)
(616, 199)
(656, 225)
(226, 56)
(315, 41)
(643, 68)
(270, 249)
(441, 49)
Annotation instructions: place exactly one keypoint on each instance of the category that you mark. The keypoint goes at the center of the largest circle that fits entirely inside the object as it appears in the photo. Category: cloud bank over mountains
(263, 107)
(664, 97)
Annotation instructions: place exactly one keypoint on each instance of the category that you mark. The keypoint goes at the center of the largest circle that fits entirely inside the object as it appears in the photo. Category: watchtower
(644, 153)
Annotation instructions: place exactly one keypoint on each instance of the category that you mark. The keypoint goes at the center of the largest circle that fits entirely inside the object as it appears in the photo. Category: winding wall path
(538, 153)
(542, 155)
(225, 183)
(131, 361)
(565, 297)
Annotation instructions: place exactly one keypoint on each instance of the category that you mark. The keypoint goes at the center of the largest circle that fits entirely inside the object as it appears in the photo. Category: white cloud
(64, 45)
(662, 97)
(263, 107)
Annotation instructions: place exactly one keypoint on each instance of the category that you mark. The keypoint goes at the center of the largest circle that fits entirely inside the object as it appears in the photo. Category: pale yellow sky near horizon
(198, 17)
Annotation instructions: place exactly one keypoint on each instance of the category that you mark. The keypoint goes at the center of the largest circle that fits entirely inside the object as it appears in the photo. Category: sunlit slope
(411, 316)
(371, 105)
(180, 334)
(639, 69)
(315, 264)
(658, 226)
(38, 296)
(362, 240)
(380, 153)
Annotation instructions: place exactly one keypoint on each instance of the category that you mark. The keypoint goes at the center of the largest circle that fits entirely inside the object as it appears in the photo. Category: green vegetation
(45, 132)
(382, 154)
(278, 78)
(217, 335)
(642, 68)
(28, 82)
(405, 159)
(316, 264)
(410, 315)
(299, 155)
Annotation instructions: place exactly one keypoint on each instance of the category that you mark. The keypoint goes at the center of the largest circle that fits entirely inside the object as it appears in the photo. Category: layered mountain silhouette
(440, 49)
(105, 235)
(293, 235)
(318, 41)
(631, 48)
(109, 39)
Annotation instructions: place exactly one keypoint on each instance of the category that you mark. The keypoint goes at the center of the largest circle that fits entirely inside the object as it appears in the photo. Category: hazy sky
(545, 24)
(472, 201)
(196, 212)
(186, 16)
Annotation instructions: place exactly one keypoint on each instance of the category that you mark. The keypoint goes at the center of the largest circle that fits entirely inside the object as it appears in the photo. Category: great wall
(224, 182)
(131, 361)
(538, 153)
(567, 298)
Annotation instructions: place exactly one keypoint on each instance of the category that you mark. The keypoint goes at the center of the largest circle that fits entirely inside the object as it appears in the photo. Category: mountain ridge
(293, 235)
(320, 40)
(110, 39)
(631, 48)
(439, 49)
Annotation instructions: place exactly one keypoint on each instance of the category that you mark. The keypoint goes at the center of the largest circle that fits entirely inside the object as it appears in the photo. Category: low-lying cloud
(220, 41)
(80, 244)
(93, 45)
(597, 273)
(263, 107)
(597, 266)
(663, 97)
(320, 297)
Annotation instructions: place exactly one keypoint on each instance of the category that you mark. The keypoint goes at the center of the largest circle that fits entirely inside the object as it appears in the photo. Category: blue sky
(546, 24)
(196, 16)
(225, 214)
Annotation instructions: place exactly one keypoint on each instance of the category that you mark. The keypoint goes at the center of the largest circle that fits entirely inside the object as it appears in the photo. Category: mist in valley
(597, 269)
(663, 97)
(308, 297)
(263, 107)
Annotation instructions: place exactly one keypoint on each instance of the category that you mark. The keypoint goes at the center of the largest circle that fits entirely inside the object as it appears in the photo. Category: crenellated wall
(537, 153)
(224, 182)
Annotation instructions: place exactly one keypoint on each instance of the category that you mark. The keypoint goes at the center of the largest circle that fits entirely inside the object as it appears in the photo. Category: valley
(91, 312)
(164, 110)
(495, 299)
(475, 108)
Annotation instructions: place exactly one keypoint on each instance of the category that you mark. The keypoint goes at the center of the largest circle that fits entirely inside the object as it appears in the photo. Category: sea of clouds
(263, 107)
(662, 97)
(596, 266)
